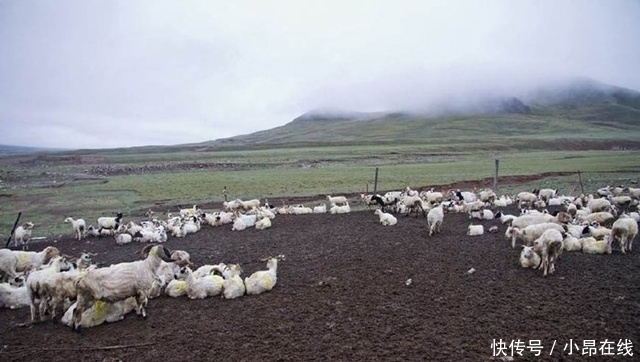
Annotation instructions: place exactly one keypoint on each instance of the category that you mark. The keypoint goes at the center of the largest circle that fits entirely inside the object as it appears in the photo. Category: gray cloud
(123, 73)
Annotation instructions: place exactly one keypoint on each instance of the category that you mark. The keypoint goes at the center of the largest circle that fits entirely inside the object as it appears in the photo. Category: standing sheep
(79, 226)
(22, 235)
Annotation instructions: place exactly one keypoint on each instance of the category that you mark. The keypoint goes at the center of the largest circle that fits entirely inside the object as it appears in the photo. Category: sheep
(238, 225)
(110, 223)
(549, 245)
(336, 209)
(299, 210)
(13, 297)
(320, 209)
(432, 196)
(466, 196)
(624, 230)
(38, 285)
(413, 203)
(504, 218)
(123, 238)
(571, 243)
(201, 287)
(100, 312)
(530, 233)
(435, 216)
(119, 282)
(591, 245)
(386, 219)
(247, 205)
(487, 196)
(475, 230)
(634, 192)
(502, 201)
(529, 258)
(596, 231)
(337, 200)
(22, 235)
(598, 204)
(13, 262)
(263, 223)
(526, 198)
(530, 219)
(93, 232)
(78, 226)
(232, 286)
(546, 194)
(207, 269)
(189, 212)
(602, 218)
(370, 200)
(482, 214)
(263, 280)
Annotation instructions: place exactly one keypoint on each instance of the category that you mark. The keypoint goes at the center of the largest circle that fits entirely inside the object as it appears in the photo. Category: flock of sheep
(48, 282)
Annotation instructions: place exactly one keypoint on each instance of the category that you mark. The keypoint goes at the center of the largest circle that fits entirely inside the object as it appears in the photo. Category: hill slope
(581, 113)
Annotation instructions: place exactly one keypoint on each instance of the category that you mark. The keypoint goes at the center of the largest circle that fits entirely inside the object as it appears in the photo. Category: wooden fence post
(495, 177)
(375, 182)
(15, 225)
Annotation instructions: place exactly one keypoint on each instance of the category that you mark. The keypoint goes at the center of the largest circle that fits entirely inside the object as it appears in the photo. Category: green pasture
(280, 173)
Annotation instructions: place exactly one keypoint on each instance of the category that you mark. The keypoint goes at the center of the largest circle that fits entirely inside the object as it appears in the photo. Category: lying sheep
(202, 287)
(591, 245)
(263, 280)
(233, 285)
(475, 230)
(571, 243)
(320, 209)
(597, 231)
(386, 219)
(79, 227)
(344, 209)
(529, 258)
(13, 297)
(624, 230)
(100, 312)
(263, 223)
(22, 235)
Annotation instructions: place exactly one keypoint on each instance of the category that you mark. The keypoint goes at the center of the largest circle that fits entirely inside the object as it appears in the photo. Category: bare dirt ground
(342, 296)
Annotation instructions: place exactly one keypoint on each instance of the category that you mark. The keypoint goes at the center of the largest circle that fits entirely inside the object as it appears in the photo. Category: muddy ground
(342, 296)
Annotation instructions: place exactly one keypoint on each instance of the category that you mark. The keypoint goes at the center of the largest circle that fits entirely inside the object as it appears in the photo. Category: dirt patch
(342, 294)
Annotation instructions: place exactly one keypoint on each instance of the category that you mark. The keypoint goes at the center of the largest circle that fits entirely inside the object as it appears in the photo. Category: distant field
(46, 188)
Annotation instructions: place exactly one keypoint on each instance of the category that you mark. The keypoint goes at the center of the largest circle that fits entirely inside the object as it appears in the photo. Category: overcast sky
(103, 74)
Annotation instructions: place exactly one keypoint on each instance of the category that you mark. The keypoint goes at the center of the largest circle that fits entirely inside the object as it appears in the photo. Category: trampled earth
(342, 295)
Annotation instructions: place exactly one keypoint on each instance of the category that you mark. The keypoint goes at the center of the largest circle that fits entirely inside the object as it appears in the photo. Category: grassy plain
(46, 187)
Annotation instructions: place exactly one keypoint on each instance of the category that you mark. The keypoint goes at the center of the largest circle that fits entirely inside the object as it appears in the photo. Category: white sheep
(78, 225)
(120, 281)
(386, 219)
(432, 196)
(602, 218)
(263, 223)
(201, 287)
(526, 198)
(337, 200)
(571, 243)
(336, 209)
(466, 196)
(22, 235)
(123, 238)
(530, 233)
(109, 223)
(238, 224)
(263, 280)
(624, 230)
(247, 205)
(529, 258)
(320, 209)
(100, 312)
(591, 245)
(475, 230)
(13, 262)
(435, 216)
(13, 297)
(189, 212)
(596, 231)
(549, 245)
(546, 194)
(233, 285)
(299, 210)
(598, 204)
(39, 282)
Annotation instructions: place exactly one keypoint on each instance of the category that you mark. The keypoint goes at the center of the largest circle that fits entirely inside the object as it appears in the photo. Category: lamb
(263, 223)
(22, 235)
(571, 243)
(320, 209)
(13, 297)
(475, 230)
(100, 312)
(550, 246)
(202, 287)
(344, 209)
(120, 281)
(13, 262)
(591, 245)
(337, 200)
(38, 285)
(263, 280)
(110, 223)
(232, 286)
(435, 216)
(79, 227)
(624, 230)
(386, 219)
(529, 258)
